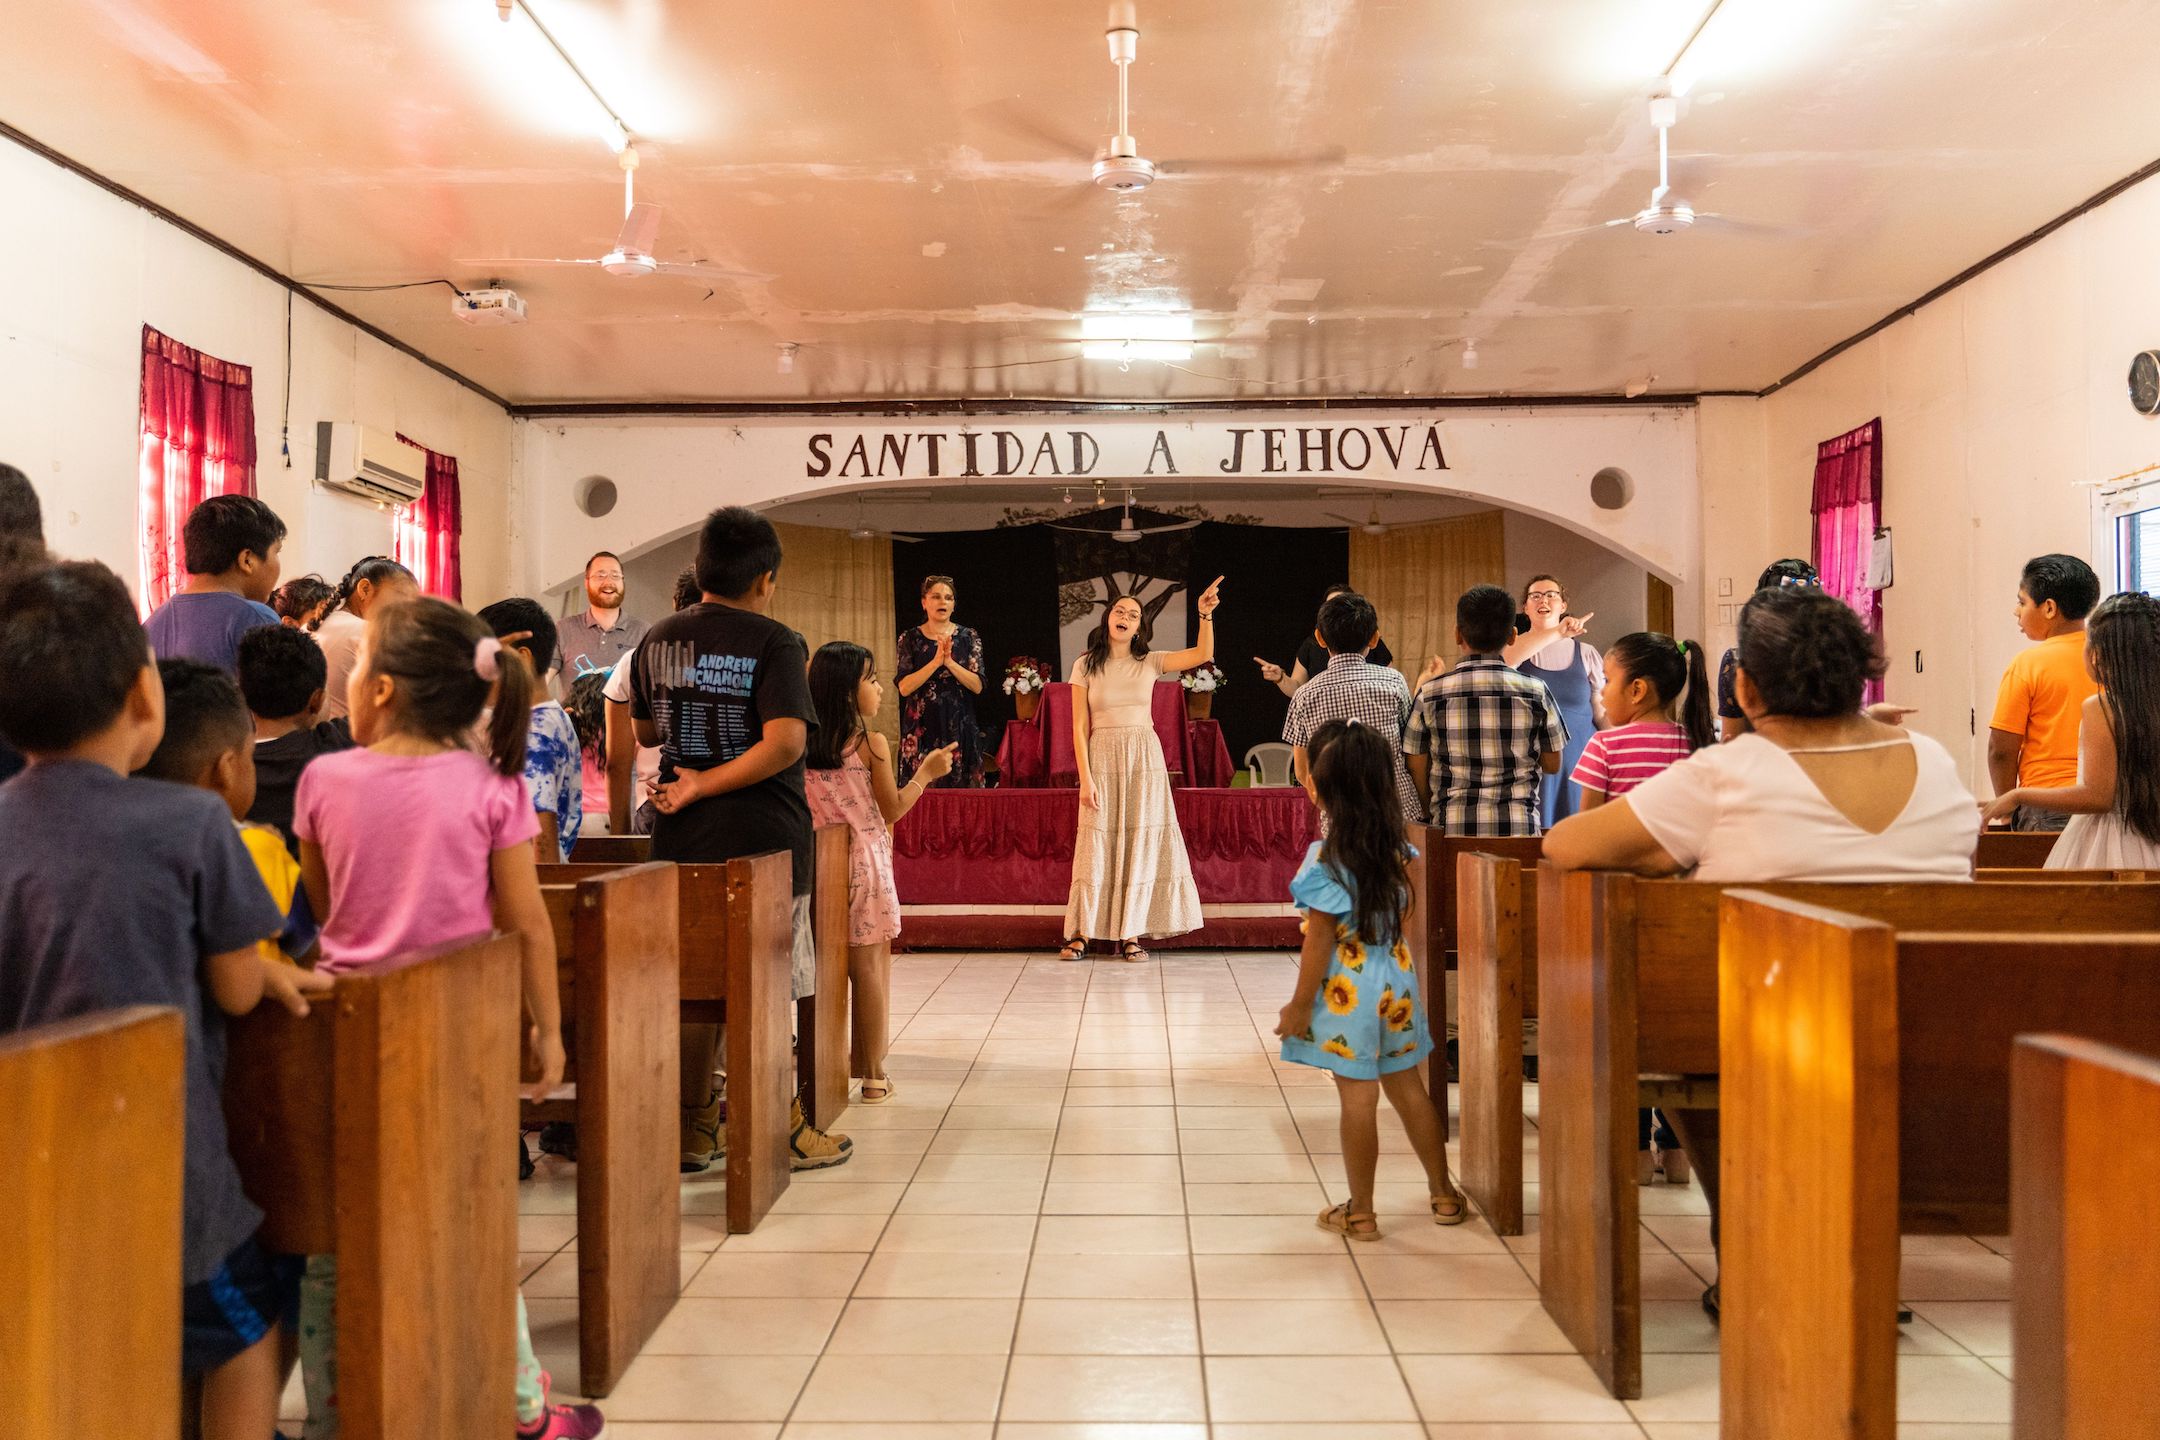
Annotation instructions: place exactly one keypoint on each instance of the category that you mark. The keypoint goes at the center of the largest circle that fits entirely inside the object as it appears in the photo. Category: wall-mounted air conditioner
(370, 463)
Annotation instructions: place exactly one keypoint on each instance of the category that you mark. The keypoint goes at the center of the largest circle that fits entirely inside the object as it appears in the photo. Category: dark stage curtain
(1006, 584)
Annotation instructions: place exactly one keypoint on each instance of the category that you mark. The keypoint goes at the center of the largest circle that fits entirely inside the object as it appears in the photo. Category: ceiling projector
(488, 307)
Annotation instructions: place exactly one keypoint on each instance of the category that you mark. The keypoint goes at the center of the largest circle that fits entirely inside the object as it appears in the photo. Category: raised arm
(912, 680)
(893, 799)
(1203, 652)
(969, 671)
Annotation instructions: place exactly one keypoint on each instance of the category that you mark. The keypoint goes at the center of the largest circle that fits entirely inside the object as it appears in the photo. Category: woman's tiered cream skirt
(1130, 874)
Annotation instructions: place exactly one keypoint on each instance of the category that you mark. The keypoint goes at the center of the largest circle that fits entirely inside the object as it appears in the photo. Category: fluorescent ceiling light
(1738, 37)
(536, 58)
(1135, 336)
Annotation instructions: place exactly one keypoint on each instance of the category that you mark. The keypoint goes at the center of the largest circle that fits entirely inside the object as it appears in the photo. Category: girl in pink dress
(849, 780)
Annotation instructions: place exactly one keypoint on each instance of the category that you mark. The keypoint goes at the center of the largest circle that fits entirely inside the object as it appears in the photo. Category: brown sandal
(1344, 1221)
(1455, 1216)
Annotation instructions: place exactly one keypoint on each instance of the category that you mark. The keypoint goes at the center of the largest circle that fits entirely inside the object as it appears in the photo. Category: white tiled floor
(1087, 1215)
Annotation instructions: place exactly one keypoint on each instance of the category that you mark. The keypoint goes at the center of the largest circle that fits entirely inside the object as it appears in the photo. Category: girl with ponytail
(1657, 709)
(1657, 702)
(413, 842)
(2114, 808)
(375, 581)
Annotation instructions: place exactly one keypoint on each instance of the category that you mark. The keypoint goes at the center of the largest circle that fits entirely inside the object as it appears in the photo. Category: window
(2137, 551)
(196, 439)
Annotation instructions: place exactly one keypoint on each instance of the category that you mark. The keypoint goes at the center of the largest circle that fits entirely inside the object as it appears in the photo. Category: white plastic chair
(1269, 763)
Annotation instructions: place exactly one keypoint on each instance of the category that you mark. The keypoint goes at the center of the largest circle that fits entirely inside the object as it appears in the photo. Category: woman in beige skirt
(1130, 874)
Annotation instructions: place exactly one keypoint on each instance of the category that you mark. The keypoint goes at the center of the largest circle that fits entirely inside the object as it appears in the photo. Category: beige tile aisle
(1088, 1215)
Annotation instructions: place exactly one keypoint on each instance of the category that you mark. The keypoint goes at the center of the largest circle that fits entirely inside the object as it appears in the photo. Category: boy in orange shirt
(2033, 737)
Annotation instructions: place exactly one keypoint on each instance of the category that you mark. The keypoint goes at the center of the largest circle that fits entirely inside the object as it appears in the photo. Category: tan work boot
(810, 1148)
(703, 1141)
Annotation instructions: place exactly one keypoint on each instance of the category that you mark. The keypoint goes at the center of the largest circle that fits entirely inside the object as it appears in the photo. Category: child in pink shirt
(456, 864)
(1657, 703)
(1657, 712)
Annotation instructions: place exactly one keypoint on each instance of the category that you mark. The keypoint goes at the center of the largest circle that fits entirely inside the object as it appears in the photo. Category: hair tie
(487, 659)
(1683, 649)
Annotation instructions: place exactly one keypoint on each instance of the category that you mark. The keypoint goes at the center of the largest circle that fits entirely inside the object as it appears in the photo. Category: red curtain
(197, 440)
(1848, 502)
(426, 539)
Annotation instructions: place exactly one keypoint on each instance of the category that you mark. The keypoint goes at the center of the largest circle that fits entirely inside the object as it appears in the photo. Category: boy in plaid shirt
(1482, 735)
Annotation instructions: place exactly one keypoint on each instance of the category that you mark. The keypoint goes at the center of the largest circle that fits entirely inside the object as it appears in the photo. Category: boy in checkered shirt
(1481, 736)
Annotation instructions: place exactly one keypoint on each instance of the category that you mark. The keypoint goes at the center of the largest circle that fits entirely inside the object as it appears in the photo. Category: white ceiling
(922, 245)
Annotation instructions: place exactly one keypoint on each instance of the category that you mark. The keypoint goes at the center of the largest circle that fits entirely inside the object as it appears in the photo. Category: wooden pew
(616, 936)
(1496, 946)
(612, 850)
(90, 1224)
(375, 1130)
(2084, 1167)
(1430, 928)
(735, 948)
(1627, 989)
(822, 1019)
(2014, 849)
(1866, 1090)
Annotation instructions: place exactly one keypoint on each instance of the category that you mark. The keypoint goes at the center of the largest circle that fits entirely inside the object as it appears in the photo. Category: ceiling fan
(1127, 533)
(862, 530)
(1372, 524)
(1668, 213)
(1117, 164)
(632, 254)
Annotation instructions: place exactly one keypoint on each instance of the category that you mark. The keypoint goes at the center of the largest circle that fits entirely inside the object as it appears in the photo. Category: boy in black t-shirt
(139, 892)
(723, 690)
(282, 676)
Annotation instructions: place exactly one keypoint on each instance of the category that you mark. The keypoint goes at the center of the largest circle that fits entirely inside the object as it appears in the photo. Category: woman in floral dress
(940, 676)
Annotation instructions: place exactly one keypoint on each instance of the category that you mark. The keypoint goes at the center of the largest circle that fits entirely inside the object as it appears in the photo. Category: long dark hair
(372, 568)
(588, 712)
(2123, 640)
(431, 648)
(1355, 776)
(1098, 646)
(835, 671)
(1669, 667)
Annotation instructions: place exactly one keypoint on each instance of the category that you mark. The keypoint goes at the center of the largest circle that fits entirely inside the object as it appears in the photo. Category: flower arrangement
(1025, 675)
(1204, 678)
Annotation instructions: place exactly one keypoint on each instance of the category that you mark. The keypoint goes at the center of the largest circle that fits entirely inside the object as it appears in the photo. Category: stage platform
(991, 869)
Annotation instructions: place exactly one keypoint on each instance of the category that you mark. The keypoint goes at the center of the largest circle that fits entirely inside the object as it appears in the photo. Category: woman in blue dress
(1356, 1012)
(1553, 651)
(940, 676)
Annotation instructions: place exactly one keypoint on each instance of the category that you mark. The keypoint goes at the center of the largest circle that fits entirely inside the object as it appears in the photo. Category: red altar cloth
(1015, 847)
(1039, 752)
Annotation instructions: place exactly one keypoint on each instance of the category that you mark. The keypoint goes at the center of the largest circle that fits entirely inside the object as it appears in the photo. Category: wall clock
(2145, 382)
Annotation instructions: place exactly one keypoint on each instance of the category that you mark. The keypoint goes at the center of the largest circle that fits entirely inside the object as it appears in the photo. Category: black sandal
(1132, 952)
(1073, 949)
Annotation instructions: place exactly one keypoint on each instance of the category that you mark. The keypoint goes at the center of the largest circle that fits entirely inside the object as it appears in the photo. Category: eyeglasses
(605, 575)
(1546, 595)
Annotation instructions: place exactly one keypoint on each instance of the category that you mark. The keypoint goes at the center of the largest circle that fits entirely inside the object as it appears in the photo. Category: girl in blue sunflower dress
(1357, 1013)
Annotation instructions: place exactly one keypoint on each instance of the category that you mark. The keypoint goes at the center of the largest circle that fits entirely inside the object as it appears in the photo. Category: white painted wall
(81, 271)
(1999, 402)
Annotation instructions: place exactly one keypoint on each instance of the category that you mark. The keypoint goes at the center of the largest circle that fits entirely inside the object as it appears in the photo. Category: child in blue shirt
(554, 763)
(151, 900)
(1356, 1012)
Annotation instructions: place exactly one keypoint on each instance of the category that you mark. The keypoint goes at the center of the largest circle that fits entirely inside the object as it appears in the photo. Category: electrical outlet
(1724, 585)
(1724, 614)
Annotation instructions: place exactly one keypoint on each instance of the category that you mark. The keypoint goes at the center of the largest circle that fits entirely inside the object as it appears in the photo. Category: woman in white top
(1815, 791)
(1130, 874)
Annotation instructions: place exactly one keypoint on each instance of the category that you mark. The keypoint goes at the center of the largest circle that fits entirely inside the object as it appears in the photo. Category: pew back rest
(1664, 935)
(2085, 1167)
(375, 1129)
(612, 850)
(702, 910)
(90, 1223)
(2013, 850)
(1433, 882)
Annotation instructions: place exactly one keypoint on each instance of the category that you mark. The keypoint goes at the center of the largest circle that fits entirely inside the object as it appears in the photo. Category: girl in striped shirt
(1657, 712)
(1657, 700)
